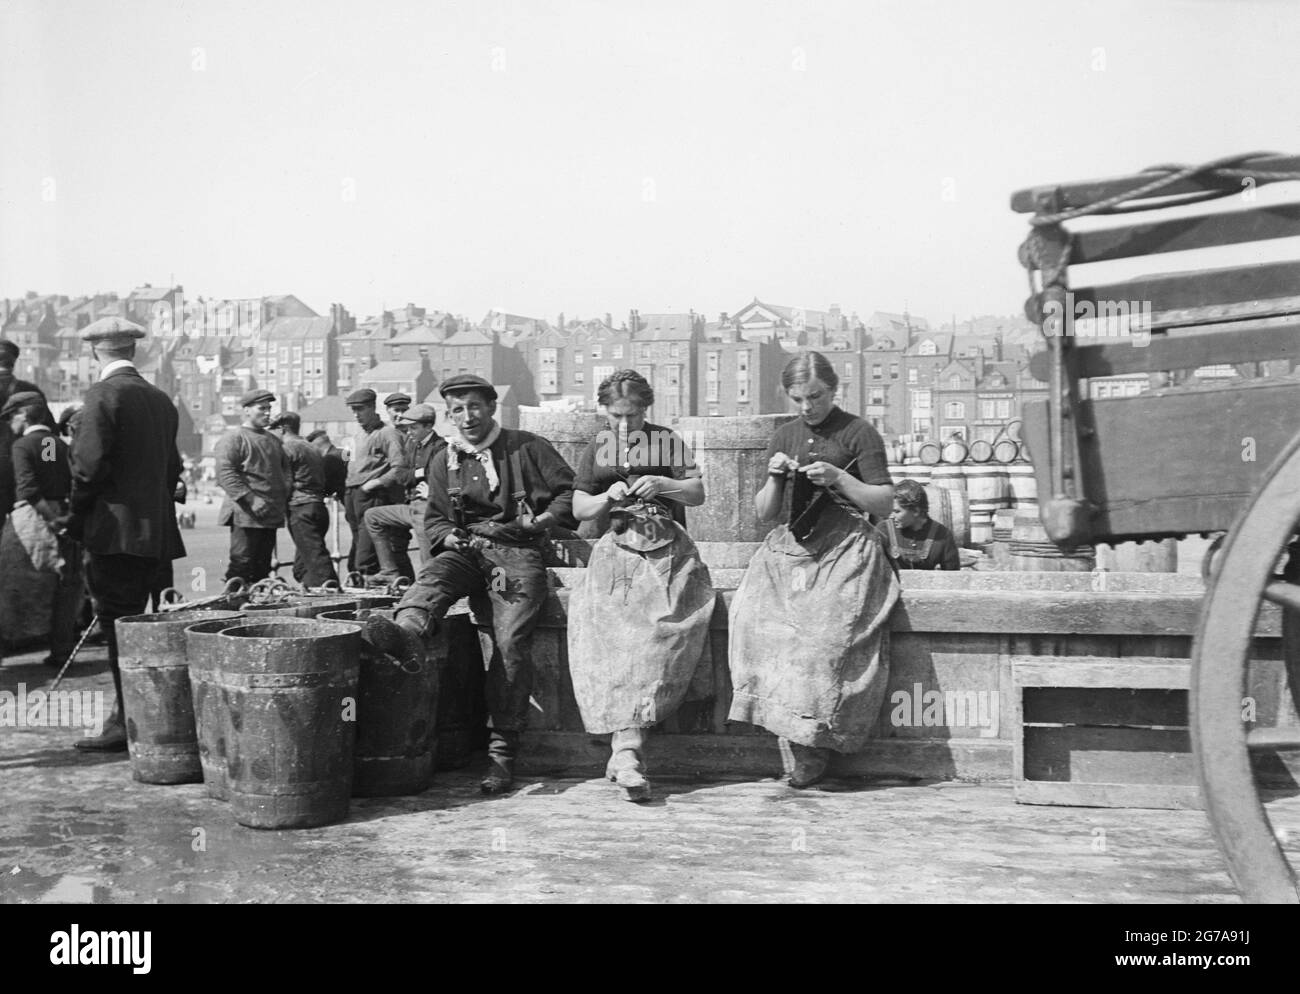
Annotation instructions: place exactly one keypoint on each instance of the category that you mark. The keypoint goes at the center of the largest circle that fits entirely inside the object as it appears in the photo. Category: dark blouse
(907, 546)
(41, 467)
(843, 440)
(651, 451)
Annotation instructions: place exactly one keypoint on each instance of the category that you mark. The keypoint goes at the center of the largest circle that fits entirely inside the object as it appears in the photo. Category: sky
(594, 157)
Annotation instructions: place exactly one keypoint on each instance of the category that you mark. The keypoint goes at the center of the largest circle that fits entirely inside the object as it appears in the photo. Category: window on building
(988, 410)
(921, 426)
(927, 348)
(284, 353)
(577, 357)
(877, 371)
(617, 352)
(577, 377)
(550, 380)
(954, 410)
(912, 375)
(1004, 409)
(672, 351)
(645, 351)
(893, 370)
(297, 353)
(742, 360)
(346, 350)
(877, 398)
(548, 358)
(954, 383)
(921, 399)
(848, 371)
(595, 351)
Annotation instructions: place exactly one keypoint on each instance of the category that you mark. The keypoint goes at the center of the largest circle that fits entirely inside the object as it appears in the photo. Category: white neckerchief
(456, 445)
(31, 428)
(114, 366)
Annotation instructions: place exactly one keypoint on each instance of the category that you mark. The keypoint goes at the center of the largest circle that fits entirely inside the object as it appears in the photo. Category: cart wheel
(1242, 578)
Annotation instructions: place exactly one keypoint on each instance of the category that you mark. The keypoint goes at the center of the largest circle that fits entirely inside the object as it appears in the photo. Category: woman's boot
(626, 765)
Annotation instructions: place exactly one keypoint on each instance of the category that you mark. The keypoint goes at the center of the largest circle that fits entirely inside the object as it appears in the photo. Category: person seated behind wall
(913, 539)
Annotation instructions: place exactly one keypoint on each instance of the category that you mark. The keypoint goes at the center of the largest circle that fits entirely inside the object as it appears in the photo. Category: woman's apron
(31, 565)
(809, 633)
(638, 623)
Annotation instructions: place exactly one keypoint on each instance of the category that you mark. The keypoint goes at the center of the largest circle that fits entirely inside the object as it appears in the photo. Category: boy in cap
(492, 500)
(377, 475)
(253, 470)
(9, 385)
(390, 527)
(125, 472)
(308, 519)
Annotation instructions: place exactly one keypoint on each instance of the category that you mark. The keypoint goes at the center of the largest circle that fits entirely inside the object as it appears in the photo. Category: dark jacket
(252, 462)
(336, 472)
(306, 472)
(125, 467)
(7, 390)
(41, 467)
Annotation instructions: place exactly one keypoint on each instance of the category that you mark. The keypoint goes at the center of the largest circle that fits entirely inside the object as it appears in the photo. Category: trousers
(308, 523)
(390, 533)
(250, 553)
(507, 589)
(361, 556)
(121, 586)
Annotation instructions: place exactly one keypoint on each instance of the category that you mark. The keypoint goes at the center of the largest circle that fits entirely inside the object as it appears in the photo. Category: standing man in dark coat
(308, 519)
(125, 471)
(9, 385)
(377, 476)
(253, 470)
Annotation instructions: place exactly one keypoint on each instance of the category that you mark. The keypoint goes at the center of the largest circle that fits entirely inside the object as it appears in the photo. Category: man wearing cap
(335, 461)
(253, 470)
(377, 475)
(41, 579)
(492, 499)
(125, 472)
(397, 404)
(308, 519)
(9, 385)
(390, 527)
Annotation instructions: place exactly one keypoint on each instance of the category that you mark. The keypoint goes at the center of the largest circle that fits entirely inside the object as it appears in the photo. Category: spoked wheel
(1243, 577)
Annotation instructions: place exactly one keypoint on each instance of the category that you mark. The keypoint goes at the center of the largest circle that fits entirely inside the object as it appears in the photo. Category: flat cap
(8, 349)
(20, 399)
(467, 381)
(422, 413)
(365, 396)
(256, 397)
(396, 398)
(108, 328)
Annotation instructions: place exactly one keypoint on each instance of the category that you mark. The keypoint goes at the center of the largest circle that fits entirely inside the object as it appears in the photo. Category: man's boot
(804, 765)
(503, 747)
(113, 737)
(626, 766)
(402, 639)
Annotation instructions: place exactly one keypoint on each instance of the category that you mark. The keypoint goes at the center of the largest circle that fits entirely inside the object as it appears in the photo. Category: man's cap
(421, 413)
(20, 399)
(467, 381)
(107, 329)
(288, 418)
(256, 397)
(396, 398)
(8, 350)
(318, 433)
(365, 396)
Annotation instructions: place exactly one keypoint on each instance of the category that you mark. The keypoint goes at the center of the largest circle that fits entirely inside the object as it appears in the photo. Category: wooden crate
(1091, 731)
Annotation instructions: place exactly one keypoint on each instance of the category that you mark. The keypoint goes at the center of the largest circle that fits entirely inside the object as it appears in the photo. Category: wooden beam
(1181, 234)
(1107, 795)
(1205, 296)
(1087, 671)
(1261, 341)
(1055, 197)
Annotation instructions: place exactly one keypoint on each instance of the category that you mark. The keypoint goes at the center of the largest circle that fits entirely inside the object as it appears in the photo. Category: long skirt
(40, 581)
(809, 634)
(638, 625)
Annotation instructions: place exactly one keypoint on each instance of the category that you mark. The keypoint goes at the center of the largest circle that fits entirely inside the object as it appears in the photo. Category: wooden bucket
(397, 712)
(288, 686)
(1005, 451)
(949, 507)
(1022, 486)
(954, 451)
(157, 700)
(980, 451)
(305, 606)
(1031, 551)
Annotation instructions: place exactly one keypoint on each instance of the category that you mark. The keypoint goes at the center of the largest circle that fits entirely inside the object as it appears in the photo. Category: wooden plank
(1060, 196)
(1102, 706)
(1133, 672)
(1182, 348)
(1108, 795)
(1047, 612)
(1084, 754)
(1227, 293)
(1181, 234)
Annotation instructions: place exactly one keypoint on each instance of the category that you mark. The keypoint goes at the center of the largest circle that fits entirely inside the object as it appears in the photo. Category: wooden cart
(1188, 456)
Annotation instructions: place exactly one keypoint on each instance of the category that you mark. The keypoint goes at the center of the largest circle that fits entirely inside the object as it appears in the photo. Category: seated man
(492, 500)
(914, 540)
(390, 527)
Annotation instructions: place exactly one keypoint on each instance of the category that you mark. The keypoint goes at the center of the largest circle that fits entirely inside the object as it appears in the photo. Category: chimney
(560, 324)
(609, 319)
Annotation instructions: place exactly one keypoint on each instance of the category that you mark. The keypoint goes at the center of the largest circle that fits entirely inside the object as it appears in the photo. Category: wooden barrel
(980, 451)
(307, 606)
(732, 455)
(397, 710)
(953, 451)
(211, 710)
(462, 706)
(986, 486)
(1022, 486)
(1013, 430)
(921, 474)
(1030, 550)
(930, 453)
(948, 477)
(1139, 557)
(1005, 451)
(949, 508)
(292, 691)
(156, 697)
(981, 527)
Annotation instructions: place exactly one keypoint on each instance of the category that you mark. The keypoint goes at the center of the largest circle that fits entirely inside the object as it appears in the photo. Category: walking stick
(73, 654)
